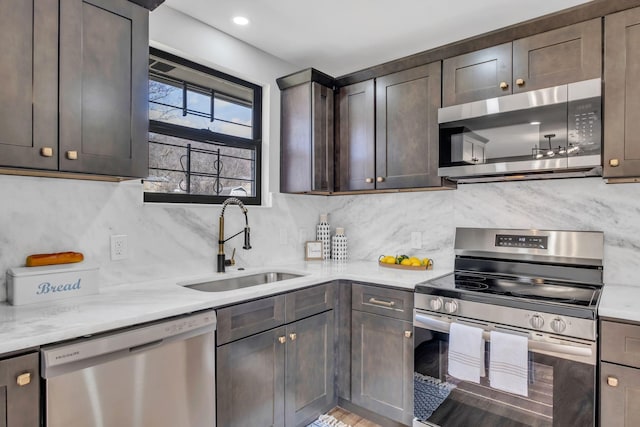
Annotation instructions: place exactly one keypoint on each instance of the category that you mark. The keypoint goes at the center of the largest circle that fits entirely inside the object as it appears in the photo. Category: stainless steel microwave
(547, 133)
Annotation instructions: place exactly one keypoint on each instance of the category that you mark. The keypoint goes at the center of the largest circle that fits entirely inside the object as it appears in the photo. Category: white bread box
(27, 285)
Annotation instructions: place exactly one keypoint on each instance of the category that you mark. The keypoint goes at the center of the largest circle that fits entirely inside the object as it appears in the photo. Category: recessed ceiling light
(240, 20)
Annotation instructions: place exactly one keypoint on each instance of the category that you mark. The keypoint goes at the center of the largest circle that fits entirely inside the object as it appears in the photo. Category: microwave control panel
(517, 241)
(584, 124)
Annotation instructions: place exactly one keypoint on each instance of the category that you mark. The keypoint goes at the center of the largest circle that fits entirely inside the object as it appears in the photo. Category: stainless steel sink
(231, 283)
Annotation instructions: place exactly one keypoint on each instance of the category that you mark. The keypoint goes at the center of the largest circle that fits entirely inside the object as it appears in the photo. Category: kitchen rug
(429, 393)
(327, 421)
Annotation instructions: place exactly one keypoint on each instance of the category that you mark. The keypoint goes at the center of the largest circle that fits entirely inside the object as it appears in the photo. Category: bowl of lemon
(405, 262)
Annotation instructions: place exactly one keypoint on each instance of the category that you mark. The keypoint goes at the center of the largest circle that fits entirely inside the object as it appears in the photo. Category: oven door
(561, 378)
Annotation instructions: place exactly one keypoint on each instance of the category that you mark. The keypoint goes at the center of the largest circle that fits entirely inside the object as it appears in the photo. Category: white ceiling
(343, 36)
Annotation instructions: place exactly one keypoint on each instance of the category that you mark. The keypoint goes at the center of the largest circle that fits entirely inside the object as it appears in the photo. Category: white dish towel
(508, 364)
(466, 353)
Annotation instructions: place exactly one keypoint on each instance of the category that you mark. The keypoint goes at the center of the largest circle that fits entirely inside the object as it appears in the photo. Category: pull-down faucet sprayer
(222, 240)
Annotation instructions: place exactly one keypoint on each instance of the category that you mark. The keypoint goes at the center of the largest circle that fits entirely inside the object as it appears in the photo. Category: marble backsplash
(51, 215)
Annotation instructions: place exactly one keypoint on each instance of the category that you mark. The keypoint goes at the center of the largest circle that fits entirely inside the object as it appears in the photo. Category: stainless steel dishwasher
(160, 374)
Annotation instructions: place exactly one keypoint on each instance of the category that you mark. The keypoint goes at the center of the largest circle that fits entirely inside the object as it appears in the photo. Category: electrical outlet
(119, 247)
(416, 240)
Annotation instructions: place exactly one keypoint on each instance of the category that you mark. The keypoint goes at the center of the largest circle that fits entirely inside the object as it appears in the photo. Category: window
(204, 134)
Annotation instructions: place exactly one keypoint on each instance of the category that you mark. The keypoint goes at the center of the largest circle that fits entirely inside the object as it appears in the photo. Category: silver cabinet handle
(372, 300)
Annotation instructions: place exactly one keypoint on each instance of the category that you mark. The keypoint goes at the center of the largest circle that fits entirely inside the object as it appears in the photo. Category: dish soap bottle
(323, 234)
(339, 245)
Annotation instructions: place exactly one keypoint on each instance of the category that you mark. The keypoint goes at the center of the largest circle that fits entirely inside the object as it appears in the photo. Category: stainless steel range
(529, 298)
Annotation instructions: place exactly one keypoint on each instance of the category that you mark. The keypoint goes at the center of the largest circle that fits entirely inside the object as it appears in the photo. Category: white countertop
(620, 302)
(115, 307)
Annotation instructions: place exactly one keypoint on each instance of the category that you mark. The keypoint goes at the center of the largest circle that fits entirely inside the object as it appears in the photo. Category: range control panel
(518, 241)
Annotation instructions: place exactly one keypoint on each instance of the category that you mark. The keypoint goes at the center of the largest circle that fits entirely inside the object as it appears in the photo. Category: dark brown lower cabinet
(619, 395)
(20, 391)
(281, 377)
(382, 365)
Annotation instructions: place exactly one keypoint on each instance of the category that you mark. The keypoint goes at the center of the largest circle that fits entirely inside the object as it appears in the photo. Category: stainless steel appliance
(161, 375)
(542, 285)
(553, 132)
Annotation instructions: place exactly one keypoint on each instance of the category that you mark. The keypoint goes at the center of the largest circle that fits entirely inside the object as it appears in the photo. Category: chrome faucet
(221, 240)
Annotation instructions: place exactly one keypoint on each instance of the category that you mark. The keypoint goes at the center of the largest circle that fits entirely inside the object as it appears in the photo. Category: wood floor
(350, 418)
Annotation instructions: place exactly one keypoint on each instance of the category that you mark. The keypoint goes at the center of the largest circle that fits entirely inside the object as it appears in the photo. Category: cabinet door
(565, 55)
(622, 94)
(382, 365)
(309, 377)
(28, 93)
(306, 152)
(407, 105)
(619, 395)
(103, 87)
(250, 381)
(20, 391)
(477, 75)
(356, 132)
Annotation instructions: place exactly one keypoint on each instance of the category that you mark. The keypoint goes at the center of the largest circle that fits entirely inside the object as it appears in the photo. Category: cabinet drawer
(383, 301)
(620, 343)
(249, 318)
(310, 301)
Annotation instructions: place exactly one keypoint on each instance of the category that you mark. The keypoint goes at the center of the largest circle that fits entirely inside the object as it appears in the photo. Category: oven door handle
(432, 324)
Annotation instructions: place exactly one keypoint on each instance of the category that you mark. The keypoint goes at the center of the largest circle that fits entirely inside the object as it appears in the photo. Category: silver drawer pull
(372, 300)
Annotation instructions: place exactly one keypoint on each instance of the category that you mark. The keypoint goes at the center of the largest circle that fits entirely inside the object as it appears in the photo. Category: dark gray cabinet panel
(622, 95)
(568, 54)
(382, 365)
(103, 87)
(29, 89)
(477, 75)
(309, 301)
(20, 391)
(565, 55)
(619, 395)
(356, 133)
(620, 343)
(309, 378)
(383, 301)
(250, 381)
(343, 351)
(306, 163)
(241, 320)
(407, 105)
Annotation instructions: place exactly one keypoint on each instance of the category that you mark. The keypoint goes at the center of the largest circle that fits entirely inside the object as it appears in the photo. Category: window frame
(207, 136)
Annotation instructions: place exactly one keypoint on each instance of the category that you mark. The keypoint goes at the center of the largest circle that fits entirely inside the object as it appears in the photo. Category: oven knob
(558, 325)
(536, 321)
(435, 303)
(450, 306)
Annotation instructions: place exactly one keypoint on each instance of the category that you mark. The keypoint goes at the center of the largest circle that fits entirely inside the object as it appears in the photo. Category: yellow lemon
(414, 259)
(426, 261)
(405, 261)
(415, 263)
(389, 259)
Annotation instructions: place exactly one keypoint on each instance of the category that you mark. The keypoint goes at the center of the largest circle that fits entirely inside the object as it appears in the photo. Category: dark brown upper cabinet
(388, 133)
(104, 87)
(569, 54)
(356, 134)
(90, 117)
(29, 91)
(622, 95)
(307, 134)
